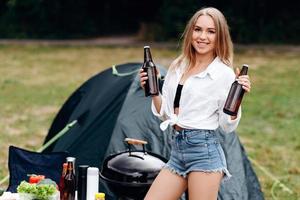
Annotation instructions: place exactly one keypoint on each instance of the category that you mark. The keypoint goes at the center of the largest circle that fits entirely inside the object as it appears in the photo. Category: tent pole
(58, 135)
(276, 180)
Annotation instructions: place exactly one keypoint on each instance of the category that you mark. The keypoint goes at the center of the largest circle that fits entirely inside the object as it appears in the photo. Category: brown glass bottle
(61, 181)
(69, 183)
(151, 86)
(235, 95)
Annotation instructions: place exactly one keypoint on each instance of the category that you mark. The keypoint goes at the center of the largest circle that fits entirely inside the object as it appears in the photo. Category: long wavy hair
(224, 46)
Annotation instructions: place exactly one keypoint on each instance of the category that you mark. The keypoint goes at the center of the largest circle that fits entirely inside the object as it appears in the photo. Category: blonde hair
(224, 46)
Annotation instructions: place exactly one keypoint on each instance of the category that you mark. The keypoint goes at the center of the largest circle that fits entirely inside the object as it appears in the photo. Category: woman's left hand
(244, 80)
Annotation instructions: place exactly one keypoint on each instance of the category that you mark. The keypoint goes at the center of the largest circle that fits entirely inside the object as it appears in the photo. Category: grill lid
(135, 167)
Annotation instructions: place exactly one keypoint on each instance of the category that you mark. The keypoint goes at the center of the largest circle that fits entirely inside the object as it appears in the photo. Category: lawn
(36, 80)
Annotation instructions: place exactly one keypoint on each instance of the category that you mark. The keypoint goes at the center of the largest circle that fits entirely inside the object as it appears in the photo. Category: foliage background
(251, 21)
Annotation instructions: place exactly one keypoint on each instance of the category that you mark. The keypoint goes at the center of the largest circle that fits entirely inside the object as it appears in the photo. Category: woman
(192, 100)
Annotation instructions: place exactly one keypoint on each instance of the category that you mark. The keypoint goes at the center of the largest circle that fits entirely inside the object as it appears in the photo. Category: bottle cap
(146, 47)
(246, 65)
(70, 159)
(93, 171)
(100, 195)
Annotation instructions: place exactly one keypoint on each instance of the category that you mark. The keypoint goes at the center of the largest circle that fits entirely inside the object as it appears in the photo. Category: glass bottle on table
(151, 86)
(69, 183)
(235, 95)
(61, 181)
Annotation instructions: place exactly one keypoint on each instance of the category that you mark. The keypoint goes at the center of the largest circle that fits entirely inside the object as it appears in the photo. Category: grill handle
(131, 141)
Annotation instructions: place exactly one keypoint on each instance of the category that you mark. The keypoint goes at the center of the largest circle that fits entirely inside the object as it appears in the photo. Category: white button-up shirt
(202, 98)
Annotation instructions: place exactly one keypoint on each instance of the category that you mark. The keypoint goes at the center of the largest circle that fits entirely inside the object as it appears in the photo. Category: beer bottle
(151, 86)
(235, 95)
(61, 181)
(69, 183)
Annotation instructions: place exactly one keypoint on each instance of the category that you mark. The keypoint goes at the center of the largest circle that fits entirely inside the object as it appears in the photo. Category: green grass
(35, 81)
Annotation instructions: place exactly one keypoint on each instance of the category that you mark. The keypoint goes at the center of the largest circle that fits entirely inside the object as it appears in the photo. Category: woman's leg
(204, 186)
(166, 186)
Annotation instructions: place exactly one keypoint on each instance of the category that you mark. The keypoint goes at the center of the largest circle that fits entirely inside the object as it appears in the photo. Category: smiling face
(207, 35)
(204, 36)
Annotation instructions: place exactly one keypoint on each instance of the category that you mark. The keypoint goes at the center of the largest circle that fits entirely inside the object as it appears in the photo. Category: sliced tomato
(36, 178)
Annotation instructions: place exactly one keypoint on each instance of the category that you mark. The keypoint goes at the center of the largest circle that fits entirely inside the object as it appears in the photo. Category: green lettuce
(39, 191)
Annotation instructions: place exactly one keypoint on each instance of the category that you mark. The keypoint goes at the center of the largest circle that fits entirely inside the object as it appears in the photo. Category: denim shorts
(196, 150)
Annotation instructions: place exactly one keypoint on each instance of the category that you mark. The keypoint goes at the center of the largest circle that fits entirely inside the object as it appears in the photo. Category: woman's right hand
(156, 99)
(143, 78)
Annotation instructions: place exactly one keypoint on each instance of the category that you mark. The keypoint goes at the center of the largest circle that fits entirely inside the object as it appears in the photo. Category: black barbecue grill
(130, 174)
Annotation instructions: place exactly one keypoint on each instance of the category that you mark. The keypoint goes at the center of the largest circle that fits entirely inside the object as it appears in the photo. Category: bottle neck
(70, 168)
(147, 55)
(244, 70)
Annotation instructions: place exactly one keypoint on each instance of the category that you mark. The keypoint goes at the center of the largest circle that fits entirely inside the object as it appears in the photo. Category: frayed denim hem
(174, 171)
(225, 178)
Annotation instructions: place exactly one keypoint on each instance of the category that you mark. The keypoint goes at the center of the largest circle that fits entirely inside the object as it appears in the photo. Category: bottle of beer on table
(151, 86)
(69, 183)
(235, 95)
(61, 181)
